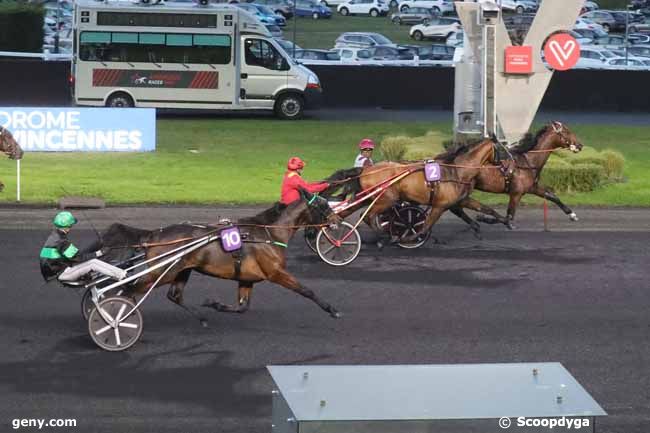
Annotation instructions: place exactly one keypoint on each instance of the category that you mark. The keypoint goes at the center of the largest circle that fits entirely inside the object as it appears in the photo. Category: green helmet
(64, 220)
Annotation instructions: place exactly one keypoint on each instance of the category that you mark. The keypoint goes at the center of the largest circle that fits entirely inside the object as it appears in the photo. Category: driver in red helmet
(364, 158)
(292, 181)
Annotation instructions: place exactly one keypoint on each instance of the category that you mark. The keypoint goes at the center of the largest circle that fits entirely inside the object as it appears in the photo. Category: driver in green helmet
(60, 258)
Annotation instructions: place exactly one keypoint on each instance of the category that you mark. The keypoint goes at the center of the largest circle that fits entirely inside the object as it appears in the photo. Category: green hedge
(21, 27)
(400, 147)
(584, 171)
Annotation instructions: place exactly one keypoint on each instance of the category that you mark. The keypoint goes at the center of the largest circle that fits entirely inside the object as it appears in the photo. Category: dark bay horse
(9, 147)
(459, 167)
(262, 256)
(523, 171)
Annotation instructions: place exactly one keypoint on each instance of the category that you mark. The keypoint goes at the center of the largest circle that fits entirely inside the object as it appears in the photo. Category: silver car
(413, 16)
(361, 40)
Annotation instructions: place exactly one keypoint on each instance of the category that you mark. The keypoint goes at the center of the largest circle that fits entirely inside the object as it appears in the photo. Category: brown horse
(9, 147)
(459, 167)
(262, 256)
(520, 174)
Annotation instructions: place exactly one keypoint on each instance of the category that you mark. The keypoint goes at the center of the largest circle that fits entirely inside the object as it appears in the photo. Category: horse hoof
(204, 323)
(380, 245)
(573, 217)
(336, 314)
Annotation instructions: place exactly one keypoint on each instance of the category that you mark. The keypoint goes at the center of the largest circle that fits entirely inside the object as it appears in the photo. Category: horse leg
(543, 192)
(460, 213)
(288, 281)
(244, 300)
(477, 206)
(175, 294)
(2, 186)
(515, 198)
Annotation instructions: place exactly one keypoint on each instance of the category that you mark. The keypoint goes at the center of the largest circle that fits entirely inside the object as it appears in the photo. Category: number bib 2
(432, 171)
(230, 239)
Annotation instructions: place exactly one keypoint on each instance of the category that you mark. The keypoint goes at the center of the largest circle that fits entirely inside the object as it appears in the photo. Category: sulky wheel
(110, 330)
(310, 238)
(87, 303)
(408, 221)
(338, 246)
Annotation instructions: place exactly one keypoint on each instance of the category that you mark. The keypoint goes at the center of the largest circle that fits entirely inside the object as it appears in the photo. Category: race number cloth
(432, 171)
(230, 239)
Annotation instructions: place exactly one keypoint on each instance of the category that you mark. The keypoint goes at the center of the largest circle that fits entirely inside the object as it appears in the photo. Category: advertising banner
(77, 129)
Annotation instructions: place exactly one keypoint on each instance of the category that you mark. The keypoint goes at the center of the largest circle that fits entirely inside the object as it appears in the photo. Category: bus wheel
(289, 106)
(119, 100)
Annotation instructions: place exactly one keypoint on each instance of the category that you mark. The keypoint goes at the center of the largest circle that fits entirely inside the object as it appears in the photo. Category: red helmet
(295, 163)
(366, 143)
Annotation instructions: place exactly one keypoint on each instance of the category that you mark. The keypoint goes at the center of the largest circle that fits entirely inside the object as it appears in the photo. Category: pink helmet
(366, 143)
(295, 163)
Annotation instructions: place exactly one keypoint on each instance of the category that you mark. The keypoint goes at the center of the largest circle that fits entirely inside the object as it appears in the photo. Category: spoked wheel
(109, 330)
(339, 246)
(87, 303)
(310, 238)
(408, 221)
(382, 220)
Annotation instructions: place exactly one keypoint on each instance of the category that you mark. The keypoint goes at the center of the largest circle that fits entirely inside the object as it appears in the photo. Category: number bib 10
(432, 171)
(230, 239)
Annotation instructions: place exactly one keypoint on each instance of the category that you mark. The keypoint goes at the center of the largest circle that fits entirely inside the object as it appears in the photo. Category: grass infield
(241, 161)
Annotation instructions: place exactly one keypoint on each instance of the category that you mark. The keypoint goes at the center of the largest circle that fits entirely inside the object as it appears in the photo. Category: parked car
(440, 28)
(580, 38)
(592, 57)
(275, 31)
(584, 24)
(640, 4)
(331, 2)
(312, 9)
(591, 34)
(287, 46)
(268, 12)
(262, 16)
(589, 6)
(440, 7)
(456, 39)
(320, 55)
(639, 50)
(519, 6)
(374, 8)
(631, 63)
(353, 55)
(390, 52)
(279, 7)
(610, 41)
(413, 16)
(639, 38)
(633, 19)
(605, 19)
(436, 52)
(361, 40)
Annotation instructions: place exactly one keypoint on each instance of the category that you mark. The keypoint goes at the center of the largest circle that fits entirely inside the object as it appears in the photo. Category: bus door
(264, 72)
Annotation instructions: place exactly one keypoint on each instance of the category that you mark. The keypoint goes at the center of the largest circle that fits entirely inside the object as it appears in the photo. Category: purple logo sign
(432, 171)
(230, 239)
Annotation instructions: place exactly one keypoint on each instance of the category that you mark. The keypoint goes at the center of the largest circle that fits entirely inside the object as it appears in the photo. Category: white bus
(184, 56)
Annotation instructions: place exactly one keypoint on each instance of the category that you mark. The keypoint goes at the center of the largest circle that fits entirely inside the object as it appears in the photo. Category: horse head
(317, 209)
(9, 146)
(565, 138)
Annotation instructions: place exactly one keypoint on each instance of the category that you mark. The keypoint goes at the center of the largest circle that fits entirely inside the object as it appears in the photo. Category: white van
(184, 56)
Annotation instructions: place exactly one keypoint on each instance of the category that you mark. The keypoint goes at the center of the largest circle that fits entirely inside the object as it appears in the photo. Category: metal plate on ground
(414, 394)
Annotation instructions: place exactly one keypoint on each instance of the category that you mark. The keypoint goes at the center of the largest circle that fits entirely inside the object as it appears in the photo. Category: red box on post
(519, 59)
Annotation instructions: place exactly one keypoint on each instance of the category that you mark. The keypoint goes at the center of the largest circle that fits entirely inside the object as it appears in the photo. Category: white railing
(44, 56)
(439, 63)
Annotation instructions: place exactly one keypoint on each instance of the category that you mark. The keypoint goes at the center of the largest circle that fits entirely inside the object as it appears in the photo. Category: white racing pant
(74, 273)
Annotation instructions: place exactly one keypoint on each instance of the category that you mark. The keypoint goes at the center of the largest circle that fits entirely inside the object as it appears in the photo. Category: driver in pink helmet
(364, 158)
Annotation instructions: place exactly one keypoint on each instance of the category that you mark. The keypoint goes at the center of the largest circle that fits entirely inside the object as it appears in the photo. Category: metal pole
(627, 31)
(295, 23)
(58, 19)
(18, 180)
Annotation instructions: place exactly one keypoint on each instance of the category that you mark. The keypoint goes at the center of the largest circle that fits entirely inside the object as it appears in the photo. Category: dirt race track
(578, 295)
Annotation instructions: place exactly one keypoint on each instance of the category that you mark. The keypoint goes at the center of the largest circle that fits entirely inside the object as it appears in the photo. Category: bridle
(313, 204)
(558, 128)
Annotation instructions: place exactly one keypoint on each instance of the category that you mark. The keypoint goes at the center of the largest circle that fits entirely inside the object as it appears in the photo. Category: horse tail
(348, 177)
